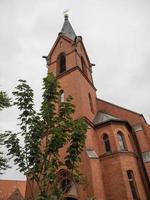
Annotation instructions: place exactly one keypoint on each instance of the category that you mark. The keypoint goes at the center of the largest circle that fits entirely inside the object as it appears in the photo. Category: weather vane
(66, 13)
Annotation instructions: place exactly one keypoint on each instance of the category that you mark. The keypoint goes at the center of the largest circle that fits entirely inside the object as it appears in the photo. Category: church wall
(76, 85)
(114, 171)
(114, 185)
(130, 163)
(93, 167)
(124, 114)
(106, 129)
(142, 133)
(115, 164)
(143, 142)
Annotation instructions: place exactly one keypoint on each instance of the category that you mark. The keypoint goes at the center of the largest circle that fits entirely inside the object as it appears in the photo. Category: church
(116, 157)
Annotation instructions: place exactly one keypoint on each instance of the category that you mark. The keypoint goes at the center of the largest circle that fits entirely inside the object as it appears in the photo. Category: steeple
(67, 29)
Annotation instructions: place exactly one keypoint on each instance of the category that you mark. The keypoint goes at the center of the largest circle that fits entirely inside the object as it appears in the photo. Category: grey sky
(115, 33)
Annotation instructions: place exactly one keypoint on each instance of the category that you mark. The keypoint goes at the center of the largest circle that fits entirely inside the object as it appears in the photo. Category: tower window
(61, 63)
(106, 143)
(133, 186)
(121, 141)
(83, 66)
(91, 103)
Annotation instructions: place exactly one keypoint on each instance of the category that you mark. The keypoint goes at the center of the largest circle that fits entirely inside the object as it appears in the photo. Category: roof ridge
(120, 107)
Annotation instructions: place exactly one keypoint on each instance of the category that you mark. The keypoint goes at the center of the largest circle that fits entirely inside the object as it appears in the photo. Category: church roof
(9, 189)
(102, 117)
(16, 195)
(67, 29)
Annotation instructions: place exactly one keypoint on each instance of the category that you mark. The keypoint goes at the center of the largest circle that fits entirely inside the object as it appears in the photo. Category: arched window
(121, 141)
(61, 63)
(65, 182)
(62, 96)
(65, 185)
(106, 143)
(133, 185)
(91, 103)
(84, 68)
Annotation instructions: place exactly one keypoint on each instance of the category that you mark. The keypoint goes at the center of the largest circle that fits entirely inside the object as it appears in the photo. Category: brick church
(116, 158)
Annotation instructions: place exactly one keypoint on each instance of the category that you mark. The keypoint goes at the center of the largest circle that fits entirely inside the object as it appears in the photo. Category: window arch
(84, 68)
(62, 96)
(121, 141)
(61, 63)
(132, 184)
(65, 184)
(106, 143)
(91, 103)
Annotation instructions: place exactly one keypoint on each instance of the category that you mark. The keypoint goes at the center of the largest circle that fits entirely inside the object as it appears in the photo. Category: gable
(16, 195)
(62, 44)
(82, 51)
(7, 187)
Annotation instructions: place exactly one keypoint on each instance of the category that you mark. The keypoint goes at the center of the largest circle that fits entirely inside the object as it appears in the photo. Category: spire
(67, 29)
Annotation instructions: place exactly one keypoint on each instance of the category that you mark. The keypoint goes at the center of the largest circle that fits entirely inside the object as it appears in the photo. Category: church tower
(69, 62)
(116, 157)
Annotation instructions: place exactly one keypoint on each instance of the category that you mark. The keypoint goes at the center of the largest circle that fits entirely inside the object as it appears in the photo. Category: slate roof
(67, 29)
(102, 117)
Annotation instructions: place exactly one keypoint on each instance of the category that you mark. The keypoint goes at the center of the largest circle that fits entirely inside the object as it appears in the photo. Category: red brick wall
(122, 113)
(7, 187)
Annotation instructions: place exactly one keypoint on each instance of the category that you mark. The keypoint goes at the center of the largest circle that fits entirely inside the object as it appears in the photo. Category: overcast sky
(116, 34)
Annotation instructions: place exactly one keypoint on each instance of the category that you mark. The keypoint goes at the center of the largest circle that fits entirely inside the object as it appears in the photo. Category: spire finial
(66, 14)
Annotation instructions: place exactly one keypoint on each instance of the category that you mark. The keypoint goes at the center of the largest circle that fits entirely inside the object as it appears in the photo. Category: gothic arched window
(106, 143)
(84, 68)
(65, 185)
(91, 103)
(133, 185)
(61, 63)
(121, 141)
(62, 96)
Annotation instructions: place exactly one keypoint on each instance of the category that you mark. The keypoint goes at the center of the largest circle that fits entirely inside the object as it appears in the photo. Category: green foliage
(4, 103)
(4, 100)
(3, 160)
(44, 134)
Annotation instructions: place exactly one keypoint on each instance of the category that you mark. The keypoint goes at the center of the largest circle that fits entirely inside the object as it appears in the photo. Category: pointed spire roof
(67, 29)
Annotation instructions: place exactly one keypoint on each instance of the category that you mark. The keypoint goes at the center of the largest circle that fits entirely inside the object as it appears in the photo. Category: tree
(4, 100)
(45, 133)
(4, 103)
